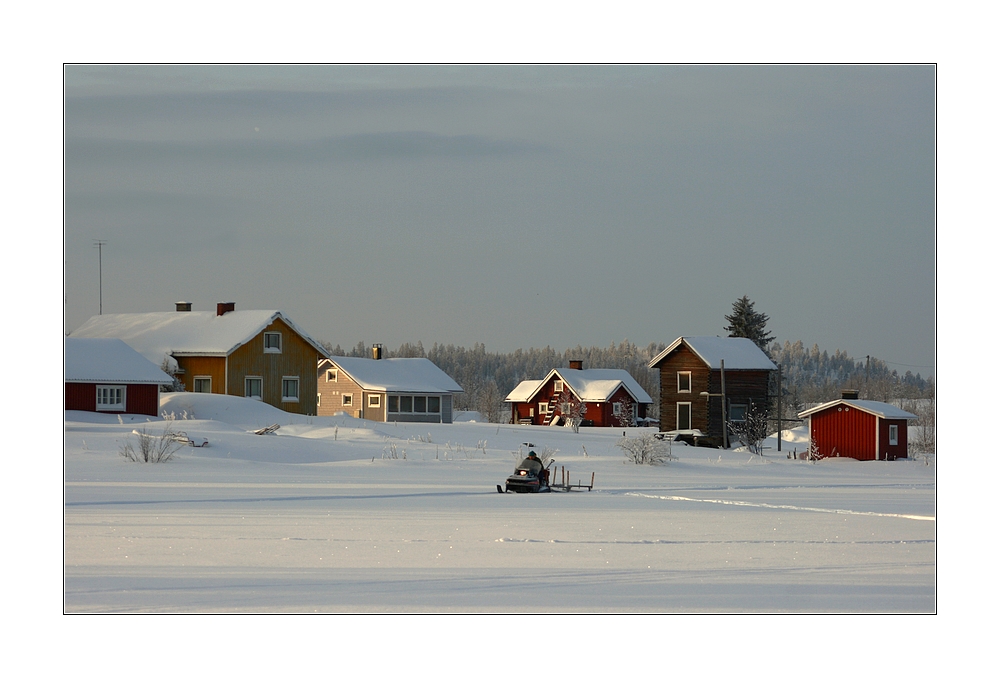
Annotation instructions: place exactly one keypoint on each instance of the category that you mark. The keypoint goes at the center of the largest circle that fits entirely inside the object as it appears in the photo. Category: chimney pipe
(377, 351)
(849, 394)
(576, 364)
(183, 306)
(224, 307)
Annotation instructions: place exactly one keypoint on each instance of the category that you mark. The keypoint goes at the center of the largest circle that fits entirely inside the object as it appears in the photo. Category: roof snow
(403, 375)
(876, 407)
(595, 385)
(738, 352)
(158, 335)
(109, 360)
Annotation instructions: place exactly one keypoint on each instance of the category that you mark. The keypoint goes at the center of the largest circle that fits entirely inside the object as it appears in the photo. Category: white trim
(894, 428)
(683, 390)
(374, 401)
(347, 400)
(288, 380)
(677, 416)
(246, 391)
(201, 377)
(557, 386)
(272, 349)
(113, 407)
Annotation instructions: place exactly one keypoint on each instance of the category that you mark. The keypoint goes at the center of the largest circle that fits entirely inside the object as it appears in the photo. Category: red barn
(862, 429)
(107, 375)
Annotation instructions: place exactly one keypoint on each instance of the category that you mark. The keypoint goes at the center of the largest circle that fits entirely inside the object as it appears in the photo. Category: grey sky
(514, 206)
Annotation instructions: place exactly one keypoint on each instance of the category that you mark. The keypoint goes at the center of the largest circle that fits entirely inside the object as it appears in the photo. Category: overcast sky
(513, 206)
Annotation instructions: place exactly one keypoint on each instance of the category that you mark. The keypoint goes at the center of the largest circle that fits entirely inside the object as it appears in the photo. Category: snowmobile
(524, 481)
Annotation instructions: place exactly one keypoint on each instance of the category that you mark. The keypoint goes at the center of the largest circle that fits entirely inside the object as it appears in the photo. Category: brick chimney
(224, 307)
(576, 364)
(183, 306)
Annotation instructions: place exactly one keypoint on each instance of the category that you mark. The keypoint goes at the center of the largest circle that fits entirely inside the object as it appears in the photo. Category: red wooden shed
(861, 429)
(107, 375)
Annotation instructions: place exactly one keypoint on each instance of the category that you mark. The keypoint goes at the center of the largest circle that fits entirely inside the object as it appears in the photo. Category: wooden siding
(139, 398)
(204, 366)
(597, 414)
(332, 394)
(887, 451)
(298, 358)
(844, 431)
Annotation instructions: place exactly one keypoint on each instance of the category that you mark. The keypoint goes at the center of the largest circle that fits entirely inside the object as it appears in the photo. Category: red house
(611, 397)
(107, 375)
(862, 429)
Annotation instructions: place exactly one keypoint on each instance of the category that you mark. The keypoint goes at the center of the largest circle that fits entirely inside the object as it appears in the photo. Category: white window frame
(289, 398)
(557, 386)
(247, 390)
(347, 400)
(331, 375)
(374, 400)
(894, 434)
(272, 349)
(683, 390)
(616, 408)
(543, 408)
(202, 377)
(678, 419)
(110, 398)
(318, 398)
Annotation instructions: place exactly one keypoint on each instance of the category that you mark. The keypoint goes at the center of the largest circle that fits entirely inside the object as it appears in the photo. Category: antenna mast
(99, 244)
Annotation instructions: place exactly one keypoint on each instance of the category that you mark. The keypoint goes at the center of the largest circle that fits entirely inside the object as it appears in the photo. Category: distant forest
(808, 375)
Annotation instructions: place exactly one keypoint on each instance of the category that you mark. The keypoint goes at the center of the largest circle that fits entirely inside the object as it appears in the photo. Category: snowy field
(333, 514)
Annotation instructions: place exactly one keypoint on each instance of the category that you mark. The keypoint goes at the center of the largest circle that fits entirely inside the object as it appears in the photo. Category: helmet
(532, 454)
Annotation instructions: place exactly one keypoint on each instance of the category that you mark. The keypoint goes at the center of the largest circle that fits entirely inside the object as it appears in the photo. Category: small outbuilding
(107, 375)
(866, 430)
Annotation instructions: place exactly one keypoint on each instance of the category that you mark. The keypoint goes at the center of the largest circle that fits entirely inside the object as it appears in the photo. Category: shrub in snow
(752, 431)
(571, 410)
(150, 448)
(646, 449)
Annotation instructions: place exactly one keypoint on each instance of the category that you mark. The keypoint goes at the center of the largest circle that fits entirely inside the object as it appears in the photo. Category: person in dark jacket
(533, 464)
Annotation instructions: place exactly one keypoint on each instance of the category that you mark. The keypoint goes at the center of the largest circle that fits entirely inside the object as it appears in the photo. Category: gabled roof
(397, 375)
(589, 386)
(109, 360)
(878, 408)
(159, 334)
(738, 352)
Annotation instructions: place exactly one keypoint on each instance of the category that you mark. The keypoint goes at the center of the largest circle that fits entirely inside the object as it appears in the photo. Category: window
(331, 375)
(393, 403)
(737, 412)
(272, 342)
(374, 400)
(543, 408)
(616, 409)
(683, 382)
(557, 386)
(203, 384)
(289, 389)
(405, 403)
(419, 403)
(434, 404)
(253, 387)
(893, 434)
(110, 398)
(348, 400)
(683, 416)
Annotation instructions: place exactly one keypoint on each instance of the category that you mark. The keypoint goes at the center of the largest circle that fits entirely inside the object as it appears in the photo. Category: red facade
(846, 431)
(139, 398)
(597, 414)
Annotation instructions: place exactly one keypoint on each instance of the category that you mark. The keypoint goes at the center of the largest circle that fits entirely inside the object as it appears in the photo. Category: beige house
(392, 389)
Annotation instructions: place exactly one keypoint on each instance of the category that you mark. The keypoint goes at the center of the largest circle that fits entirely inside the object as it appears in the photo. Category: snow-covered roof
(109, 360)
(738, 352)
(876, 407)
(400, 375)
(160, 334)
(596, 385)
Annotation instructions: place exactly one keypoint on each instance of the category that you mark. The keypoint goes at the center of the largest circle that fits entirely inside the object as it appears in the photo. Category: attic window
(331, 375)
(272, 342)
(683, 382)
(557, 386)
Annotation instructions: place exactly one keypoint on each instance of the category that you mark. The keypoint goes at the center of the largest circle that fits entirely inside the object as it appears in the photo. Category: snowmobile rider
(533, 464)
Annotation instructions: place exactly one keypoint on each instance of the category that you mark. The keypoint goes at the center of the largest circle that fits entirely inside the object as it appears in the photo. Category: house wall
(887, 451)
(298, 358)
(139, 398)
(331, 400)
(846, 432)
(203, 366)
(598, 414)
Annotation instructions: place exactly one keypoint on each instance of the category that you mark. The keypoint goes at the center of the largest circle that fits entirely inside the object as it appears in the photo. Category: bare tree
(572, 410)
(150, 448)
(490, 402)
(752, 431)
(645, 449)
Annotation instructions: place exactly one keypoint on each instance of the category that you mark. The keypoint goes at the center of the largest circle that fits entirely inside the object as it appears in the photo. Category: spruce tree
(745, 322)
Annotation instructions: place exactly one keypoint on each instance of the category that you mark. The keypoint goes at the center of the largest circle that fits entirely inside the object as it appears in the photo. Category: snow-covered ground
(333, 514)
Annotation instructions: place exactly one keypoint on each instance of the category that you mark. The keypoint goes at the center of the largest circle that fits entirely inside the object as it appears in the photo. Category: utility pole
(99, 244)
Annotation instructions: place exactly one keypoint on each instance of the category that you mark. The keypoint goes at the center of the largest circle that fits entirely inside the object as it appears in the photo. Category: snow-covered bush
(752, 431)
(645, 449)
(150, 448)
